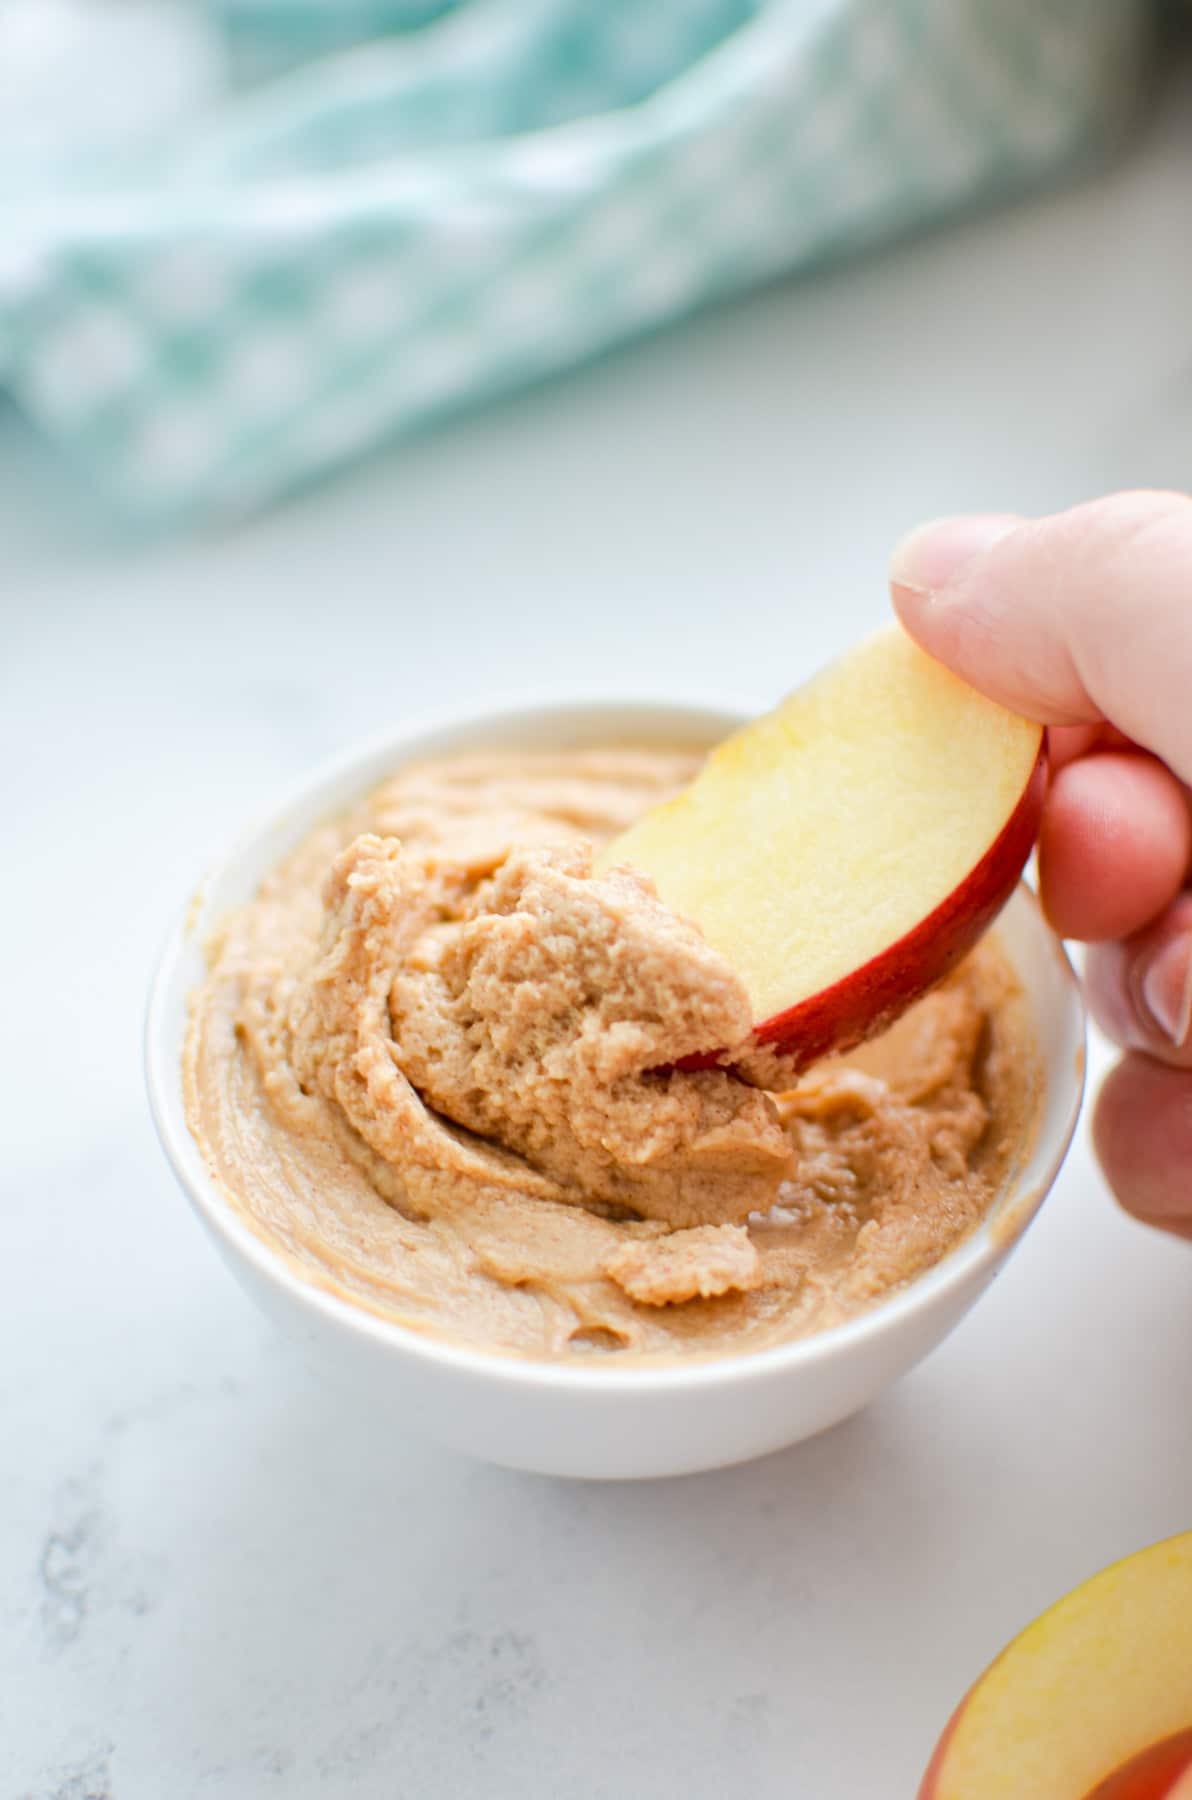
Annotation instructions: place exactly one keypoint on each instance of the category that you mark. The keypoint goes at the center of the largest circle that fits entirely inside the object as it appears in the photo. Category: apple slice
(1066, 1710)
(1163, 1772)
(844, 851)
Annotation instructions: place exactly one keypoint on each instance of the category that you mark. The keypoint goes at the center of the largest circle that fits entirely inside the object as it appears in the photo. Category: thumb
(1082, 617)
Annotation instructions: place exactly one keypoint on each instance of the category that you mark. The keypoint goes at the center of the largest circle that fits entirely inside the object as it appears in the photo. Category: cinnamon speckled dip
(424, 1066)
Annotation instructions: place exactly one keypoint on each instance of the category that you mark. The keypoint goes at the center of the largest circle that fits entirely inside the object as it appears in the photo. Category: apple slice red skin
(868, 999)
(929, 1786)
(1152, 1774)
(1148, 1776)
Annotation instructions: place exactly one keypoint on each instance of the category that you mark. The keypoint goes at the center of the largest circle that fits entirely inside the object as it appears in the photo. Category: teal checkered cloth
(438, 214)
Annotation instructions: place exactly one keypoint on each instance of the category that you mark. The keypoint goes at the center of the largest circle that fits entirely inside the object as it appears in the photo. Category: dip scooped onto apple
(845, 851)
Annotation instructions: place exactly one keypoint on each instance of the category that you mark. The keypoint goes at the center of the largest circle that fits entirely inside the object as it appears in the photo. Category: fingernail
(1166, 990)
(934, 555)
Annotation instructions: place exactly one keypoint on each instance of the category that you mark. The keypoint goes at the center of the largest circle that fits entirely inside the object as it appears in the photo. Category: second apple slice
(845, 851)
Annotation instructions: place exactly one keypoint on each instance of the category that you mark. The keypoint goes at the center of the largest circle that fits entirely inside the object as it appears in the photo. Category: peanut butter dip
(429, 1066)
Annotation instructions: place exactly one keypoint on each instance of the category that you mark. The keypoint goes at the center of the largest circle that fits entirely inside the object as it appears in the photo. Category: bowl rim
(299, 807)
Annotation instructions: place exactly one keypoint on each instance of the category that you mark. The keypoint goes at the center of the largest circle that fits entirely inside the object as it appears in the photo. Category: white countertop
(216, 1578)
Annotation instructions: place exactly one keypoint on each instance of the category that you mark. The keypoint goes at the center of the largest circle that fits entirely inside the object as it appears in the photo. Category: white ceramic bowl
(582, 1420)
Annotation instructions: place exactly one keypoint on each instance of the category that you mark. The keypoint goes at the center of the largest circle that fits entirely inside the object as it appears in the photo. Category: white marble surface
(218, 1577)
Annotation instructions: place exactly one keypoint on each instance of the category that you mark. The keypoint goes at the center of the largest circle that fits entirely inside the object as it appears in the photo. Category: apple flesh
(1087, 1694)
(846, 850)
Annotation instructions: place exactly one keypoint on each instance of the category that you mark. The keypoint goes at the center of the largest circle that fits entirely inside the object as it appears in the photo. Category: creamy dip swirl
(429, 1064)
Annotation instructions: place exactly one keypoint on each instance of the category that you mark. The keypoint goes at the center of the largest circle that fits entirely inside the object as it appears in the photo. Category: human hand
(1083, 621)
